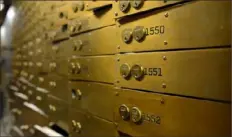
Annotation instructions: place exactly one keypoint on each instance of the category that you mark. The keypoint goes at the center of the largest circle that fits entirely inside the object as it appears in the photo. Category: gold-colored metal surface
(138, 6)
(122, 68)
(161, 112)
(95, 42)
(56, 109)
(92, 96)
(165, 30)
(90, 72)
(191, 73)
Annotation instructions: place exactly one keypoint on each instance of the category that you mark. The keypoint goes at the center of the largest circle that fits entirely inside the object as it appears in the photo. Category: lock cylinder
(124, 112)
(125, 70)
(137, 72)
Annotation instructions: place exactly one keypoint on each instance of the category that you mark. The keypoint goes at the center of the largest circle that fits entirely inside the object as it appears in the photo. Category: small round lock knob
(75, 68)
(136, 115)
(124, 5)
(76, 94)
(136, 3)
(78, 25)
(52, 66)
(52, 84)
(137, 71)
(39, 98)
(124, 112)
(24, 127)
(78, 45)
(75, 7)
(127, 35)
(125, 70)
(81, 5)
(76, 126)
(30, 92)
(52, 108)
(139, 33)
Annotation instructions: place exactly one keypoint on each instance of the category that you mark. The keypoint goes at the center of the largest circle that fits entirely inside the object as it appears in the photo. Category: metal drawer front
(58, 86)
(174, 28)
(124, 8)
(92, 97)
(96, 20)
(77, 122)
(95, 42)
(173, 116)
(56, 109)
(197, 73)
(59, 66)
(98, 68)
(83, 124)
(100, 127)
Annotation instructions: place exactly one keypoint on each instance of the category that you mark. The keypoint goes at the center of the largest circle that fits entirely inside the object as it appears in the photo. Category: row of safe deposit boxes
(122, 68)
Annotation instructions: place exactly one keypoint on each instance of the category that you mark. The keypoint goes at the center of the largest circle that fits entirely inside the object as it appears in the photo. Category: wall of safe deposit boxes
(140, 68)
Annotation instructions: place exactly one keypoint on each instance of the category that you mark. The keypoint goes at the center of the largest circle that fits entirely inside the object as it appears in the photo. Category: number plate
(197, 73)
(173, 28)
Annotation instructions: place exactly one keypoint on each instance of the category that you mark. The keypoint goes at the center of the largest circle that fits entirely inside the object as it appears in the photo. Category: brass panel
(60, 50)
(173, 116)
(93, 68)
(56, 109)
(25, 118)
(95, 42)
(95, 20)
(77, 122)
(172, 28)
(83, 124)
(126, 7)
(57, 86)
(59, 66)
(100, 127)
(197, 73)
(89, 96)
(93, 5)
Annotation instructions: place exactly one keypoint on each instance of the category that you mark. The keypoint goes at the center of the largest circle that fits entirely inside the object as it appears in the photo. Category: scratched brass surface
(191, 73)
(178, 116)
